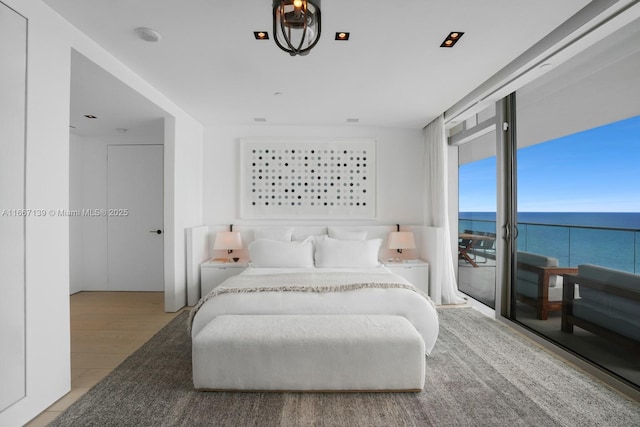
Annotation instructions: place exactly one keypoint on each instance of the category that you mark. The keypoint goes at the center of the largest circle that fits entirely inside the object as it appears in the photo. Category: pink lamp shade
(401, 240)
(228, 240)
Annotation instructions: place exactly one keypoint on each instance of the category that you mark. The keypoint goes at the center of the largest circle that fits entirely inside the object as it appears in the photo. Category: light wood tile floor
(106, 327)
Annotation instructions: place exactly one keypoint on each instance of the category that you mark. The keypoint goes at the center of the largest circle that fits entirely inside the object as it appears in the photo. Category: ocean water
(626, 220)
(601, 238)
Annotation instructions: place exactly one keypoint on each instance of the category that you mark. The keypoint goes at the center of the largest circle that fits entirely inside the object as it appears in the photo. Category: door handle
(155, 231)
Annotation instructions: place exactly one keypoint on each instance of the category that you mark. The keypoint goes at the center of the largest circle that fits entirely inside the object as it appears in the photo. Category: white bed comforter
(320, 291)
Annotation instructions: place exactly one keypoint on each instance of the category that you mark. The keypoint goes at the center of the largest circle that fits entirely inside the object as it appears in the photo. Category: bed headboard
(200, 242)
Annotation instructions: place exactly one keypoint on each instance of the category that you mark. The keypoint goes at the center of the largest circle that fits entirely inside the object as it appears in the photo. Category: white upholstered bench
(309, 353)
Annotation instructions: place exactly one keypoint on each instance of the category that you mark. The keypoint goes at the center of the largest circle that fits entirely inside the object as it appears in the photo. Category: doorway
(108, 117)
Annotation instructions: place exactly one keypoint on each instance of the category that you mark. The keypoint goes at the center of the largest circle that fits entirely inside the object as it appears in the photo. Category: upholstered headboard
(200, 241)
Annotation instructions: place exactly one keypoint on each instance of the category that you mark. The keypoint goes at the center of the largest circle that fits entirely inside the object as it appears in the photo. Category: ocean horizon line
(615, 220)
(562, 212)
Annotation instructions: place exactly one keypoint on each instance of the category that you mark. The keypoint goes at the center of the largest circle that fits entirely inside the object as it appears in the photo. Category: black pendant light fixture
(296, 25)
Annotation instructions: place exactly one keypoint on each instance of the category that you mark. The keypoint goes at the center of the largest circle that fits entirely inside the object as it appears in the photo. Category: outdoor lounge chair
(539, 282)
(464, 247)
(609, 304)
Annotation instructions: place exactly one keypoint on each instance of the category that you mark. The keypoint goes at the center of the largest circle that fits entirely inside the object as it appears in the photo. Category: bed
(318, 276)
(297, 291)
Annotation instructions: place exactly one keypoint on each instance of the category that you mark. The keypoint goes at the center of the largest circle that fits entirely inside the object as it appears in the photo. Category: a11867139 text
(23, 212)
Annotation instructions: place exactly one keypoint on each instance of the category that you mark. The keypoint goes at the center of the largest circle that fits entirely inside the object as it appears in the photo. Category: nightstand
(415, 271)
(212, 273)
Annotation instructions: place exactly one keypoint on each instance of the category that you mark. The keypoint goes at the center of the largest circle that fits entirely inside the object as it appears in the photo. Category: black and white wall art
(306, 178)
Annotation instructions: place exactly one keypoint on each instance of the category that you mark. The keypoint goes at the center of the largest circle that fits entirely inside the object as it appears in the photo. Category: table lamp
(400, 240)
(228, 240)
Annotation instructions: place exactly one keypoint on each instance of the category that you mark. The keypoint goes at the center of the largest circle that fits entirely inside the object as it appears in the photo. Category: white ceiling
(390, 73)
(94, 91)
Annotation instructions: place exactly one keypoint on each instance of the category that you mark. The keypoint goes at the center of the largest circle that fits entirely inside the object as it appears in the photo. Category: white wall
(50, 40)
(183, 202)
(47, 237)
(88, 190)
(77, 266)
(400, 171)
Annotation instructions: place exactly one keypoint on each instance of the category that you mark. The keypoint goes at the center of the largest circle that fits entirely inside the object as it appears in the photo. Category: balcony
(572, 245)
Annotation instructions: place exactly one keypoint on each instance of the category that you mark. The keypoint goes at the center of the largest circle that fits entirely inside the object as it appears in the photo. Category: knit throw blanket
(306, 282)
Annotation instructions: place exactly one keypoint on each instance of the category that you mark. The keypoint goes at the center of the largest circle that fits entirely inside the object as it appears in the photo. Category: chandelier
(296, 25)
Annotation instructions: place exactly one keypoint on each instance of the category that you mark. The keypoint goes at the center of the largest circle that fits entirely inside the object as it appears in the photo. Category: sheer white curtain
(444, 289)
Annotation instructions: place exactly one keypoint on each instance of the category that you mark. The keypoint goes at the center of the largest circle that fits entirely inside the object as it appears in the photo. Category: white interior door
(135, 234)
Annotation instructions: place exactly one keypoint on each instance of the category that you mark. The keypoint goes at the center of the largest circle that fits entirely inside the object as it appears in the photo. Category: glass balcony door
(578, 204)
(477, 207)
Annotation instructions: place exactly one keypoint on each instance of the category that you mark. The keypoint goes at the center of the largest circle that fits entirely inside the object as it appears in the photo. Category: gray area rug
(481, 373)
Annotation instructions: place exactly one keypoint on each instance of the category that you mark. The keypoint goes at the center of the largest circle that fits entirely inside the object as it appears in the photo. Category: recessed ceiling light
(90, 116)
(259, 119)
(342, 35)
(452, 39)
(148, 34)
(353, 120)
(261, 35)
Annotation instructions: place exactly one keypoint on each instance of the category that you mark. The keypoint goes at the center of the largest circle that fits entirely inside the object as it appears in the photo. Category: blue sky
(597, 170)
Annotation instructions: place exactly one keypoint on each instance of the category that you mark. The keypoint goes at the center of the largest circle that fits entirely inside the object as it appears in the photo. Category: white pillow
(313, 238)
(267, 253)
(336, 233)
(334, 253)
(283, 234)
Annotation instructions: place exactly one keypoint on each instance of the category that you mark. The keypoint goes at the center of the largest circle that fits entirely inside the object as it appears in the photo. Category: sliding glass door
(476, 138)
(578, 205)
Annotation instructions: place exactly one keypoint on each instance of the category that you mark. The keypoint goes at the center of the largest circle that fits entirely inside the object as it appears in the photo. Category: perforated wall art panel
(308, 179)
